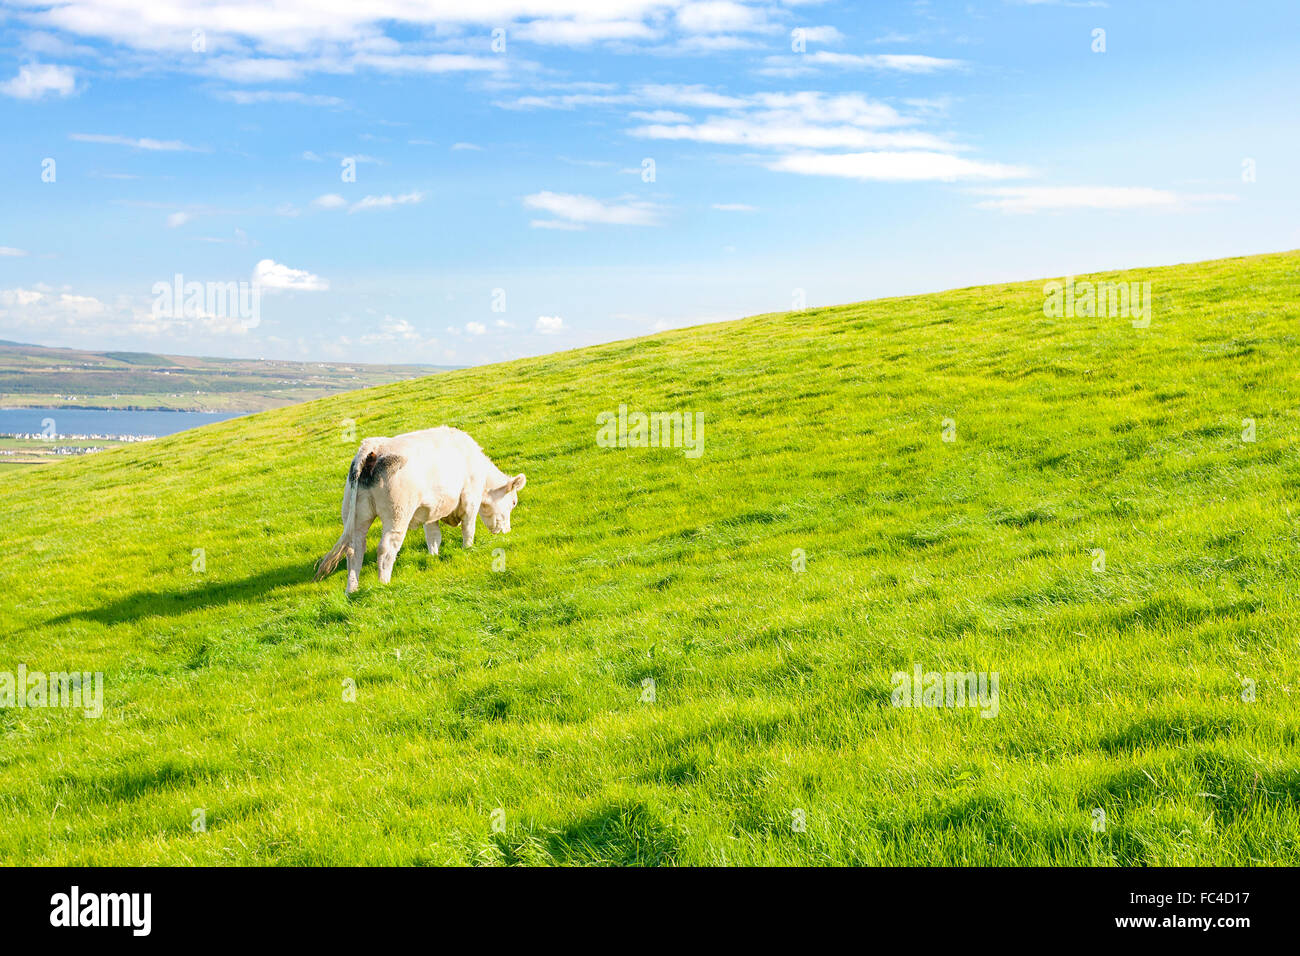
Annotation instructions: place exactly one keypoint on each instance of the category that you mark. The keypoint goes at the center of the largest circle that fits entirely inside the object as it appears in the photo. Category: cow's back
(438, 465)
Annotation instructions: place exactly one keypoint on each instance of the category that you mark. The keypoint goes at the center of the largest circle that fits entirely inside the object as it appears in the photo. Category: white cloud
(251, 97)
(311, 157)
(269, 274)
(847, 135)
(550, 324)
(821, 34)
(475, 328)
(256, 70)
(179, 219)
(575, 209)
(566, 101)
(651, 95)
(780, 130)
(433, 63)
(82, 306)
(50, 45)
(885, 62)
(329, 201)
(386, 201)
(393, 329)
(78, 316)
(721, 16)
(249, 42)
(11, 251)
(734, 207)
(19, 297)
(692, 96)
(802, 120)
(888, 166)
(582, 31)
(713, 43)
(467, 146)
(157, 145)
(1030, 199)
(290, 27)
(39, 79)
(659, 116)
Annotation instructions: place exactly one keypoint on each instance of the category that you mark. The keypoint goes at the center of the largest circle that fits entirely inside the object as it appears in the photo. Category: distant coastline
(38, 376)
(7, 406)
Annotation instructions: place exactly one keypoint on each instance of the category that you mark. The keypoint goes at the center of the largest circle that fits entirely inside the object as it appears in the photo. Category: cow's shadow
(198, 596)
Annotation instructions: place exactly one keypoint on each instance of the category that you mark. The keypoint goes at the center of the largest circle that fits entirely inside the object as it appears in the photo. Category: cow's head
(499, 502)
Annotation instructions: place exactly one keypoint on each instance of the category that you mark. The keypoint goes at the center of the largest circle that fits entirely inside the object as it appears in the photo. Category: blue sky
(502, 204)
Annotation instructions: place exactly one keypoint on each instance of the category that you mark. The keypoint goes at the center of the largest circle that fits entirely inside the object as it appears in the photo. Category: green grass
(521, 690)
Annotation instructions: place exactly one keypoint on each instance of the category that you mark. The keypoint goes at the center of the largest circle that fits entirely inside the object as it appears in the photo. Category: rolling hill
(38, 376)
(681, 660)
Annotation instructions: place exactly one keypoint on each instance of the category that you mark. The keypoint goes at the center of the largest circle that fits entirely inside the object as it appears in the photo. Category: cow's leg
(432, 536)
(355, 559)
(362, 520)
(469, 517)
(389, 544)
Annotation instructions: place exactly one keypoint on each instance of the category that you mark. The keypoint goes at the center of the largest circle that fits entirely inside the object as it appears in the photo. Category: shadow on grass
(202, 594)
(618, 835)
(612, 835)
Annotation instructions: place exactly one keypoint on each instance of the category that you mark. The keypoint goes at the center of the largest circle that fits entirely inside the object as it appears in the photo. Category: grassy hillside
(33, 376)
(514, 697)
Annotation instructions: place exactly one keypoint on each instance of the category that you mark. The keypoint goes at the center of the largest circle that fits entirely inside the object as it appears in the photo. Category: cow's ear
(516, 483)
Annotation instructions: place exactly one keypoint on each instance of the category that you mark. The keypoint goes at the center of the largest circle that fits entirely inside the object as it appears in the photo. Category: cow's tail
(343, 547)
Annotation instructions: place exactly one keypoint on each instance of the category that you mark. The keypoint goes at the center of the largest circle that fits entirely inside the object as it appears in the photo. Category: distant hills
(36, 375)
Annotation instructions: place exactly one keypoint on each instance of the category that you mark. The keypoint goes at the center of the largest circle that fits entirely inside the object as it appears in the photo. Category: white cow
(439, 474)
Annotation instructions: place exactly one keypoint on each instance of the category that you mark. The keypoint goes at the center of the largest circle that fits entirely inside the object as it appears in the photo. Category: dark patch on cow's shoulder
(374, 468)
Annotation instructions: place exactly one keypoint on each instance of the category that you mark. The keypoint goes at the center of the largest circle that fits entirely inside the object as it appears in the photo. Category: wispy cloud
(766, 131)
(253, 97)
(577, 210)
(393, 329)
(887, 166)
(431, 63)
(582, 31)
(659, 116)
(386, 201)
(158, 145)
(1031, 199)
(38, 80)
(800, 64)
(723, 16)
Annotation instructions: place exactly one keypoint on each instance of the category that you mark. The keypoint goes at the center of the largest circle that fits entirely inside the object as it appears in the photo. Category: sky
(462, 183)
